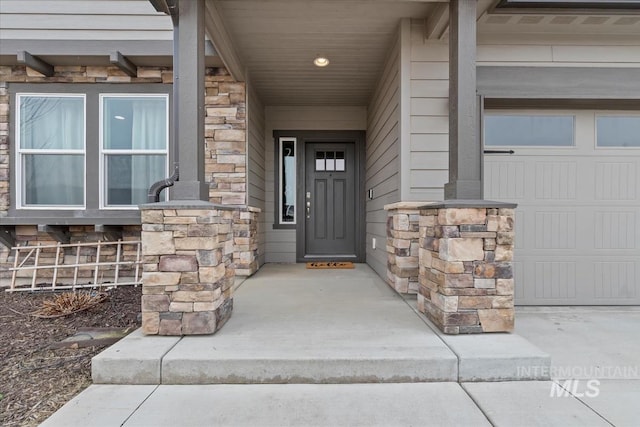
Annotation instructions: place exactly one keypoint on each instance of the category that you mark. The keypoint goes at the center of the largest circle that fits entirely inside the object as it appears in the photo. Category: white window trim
(102, 187)
(281, 142)
(609, 113)
(536, 113)
(19, 190)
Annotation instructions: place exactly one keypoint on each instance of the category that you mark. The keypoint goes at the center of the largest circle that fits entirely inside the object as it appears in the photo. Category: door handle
(308, 209)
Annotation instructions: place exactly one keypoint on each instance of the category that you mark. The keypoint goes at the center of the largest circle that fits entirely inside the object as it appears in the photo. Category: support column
(188, 71)
(466, 266)
(465, 151)
(188, 271)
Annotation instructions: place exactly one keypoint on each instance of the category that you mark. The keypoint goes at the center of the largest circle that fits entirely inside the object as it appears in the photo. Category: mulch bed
(36, 380)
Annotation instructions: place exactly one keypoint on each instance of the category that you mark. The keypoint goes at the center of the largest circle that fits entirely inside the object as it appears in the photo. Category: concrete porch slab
(293, 325)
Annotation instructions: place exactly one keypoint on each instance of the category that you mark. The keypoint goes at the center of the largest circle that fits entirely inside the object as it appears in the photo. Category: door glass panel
(618, 131)
(331, 163)
(528, 131)
(340, 161)
(319, 160)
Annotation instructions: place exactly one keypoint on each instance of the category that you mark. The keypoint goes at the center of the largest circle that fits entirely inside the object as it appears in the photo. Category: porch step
(292, 325)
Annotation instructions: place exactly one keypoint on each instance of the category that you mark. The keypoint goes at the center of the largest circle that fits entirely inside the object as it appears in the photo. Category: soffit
(569, 22)
(277, 41)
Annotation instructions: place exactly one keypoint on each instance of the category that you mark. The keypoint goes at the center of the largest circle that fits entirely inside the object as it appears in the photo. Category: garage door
(576, 179)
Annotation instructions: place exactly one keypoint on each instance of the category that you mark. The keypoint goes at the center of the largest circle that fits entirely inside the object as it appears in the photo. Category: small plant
(68, 303)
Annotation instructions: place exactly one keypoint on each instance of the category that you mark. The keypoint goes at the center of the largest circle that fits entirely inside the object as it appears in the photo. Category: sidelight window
(287, 180)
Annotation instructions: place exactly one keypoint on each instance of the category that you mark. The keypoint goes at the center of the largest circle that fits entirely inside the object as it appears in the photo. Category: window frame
(91, 213)
(280, 142)
(103, 153)
(21, 152)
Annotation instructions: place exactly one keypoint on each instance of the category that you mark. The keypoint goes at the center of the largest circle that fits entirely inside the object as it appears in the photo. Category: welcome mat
(329, 264)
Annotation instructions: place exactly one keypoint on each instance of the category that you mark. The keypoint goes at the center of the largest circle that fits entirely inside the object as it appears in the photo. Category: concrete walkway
(349, 351)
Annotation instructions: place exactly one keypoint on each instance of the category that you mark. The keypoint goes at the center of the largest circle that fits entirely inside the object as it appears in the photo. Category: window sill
(72, 218)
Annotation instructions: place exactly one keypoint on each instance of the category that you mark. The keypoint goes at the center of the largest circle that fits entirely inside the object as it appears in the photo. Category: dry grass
(69, 303)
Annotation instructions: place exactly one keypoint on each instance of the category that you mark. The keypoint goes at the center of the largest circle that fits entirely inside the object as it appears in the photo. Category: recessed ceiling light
(321, 61)
(118, 117)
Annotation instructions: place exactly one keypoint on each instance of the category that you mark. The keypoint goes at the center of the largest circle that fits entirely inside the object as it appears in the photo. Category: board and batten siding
(83, 20)
(428, 148)
(256, 162)
(383, 156)
(281, 244)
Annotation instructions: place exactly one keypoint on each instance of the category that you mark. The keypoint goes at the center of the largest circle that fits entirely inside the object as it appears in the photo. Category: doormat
(330, 264)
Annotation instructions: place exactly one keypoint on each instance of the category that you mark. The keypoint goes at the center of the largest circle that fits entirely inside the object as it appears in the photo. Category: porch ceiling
(277, 41)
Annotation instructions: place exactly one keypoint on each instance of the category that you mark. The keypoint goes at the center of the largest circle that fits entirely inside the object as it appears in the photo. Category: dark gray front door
(330, 202)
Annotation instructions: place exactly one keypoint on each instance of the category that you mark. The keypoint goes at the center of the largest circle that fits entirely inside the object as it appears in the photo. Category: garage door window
(618, 131)
(502, 130)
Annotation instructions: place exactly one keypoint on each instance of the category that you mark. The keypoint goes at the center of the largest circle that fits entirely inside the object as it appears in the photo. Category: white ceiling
(277, 41)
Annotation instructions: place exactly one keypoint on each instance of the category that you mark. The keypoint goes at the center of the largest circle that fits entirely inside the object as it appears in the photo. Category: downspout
(153, 195)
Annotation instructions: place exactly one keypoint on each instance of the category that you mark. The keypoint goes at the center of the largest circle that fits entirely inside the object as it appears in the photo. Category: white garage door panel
(577, 221)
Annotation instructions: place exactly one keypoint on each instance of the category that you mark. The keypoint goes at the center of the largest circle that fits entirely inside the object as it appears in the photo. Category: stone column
(466, 271)
(188, 271)
(402, 246)
(245, 237)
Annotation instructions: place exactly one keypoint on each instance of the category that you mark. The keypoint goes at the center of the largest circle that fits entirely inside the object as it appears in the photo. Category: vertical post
(465, 152)
(188, 71)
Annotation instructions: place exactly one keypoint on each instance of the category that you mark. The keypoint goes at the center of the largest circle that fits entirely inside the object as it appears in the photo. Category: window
(330, 161)
(501, 130)
(50, 141)
(618, 131)
(134, 141)
(287, 179)
(88, 150)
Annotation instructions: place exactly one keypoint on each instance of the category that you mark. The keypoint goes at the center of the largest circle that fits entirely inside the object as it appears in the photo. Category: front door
(330, 202)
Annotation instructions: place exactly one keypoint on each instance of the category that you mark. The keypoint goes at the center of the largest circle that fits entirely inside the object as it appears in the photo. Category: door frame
(358, 138)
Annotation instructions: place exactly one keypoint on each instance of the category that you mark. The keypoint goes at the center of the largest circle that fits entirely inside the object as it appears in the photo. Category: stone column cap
(187, 204)
(405, 205)
(469, 204)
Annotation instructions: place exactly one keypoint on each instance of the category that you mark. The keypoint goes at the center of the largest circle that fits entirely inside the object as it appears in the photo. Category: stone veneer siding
(188, 269)
(402, 246)
(466, 272)
(245, 239)
(225, 141)
(28, 235)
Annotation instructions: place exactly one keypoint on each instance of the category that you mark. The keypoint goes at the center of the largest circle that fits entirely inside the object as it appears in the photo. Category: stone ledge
(187, 204)
(406, 205)
(468, 204)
